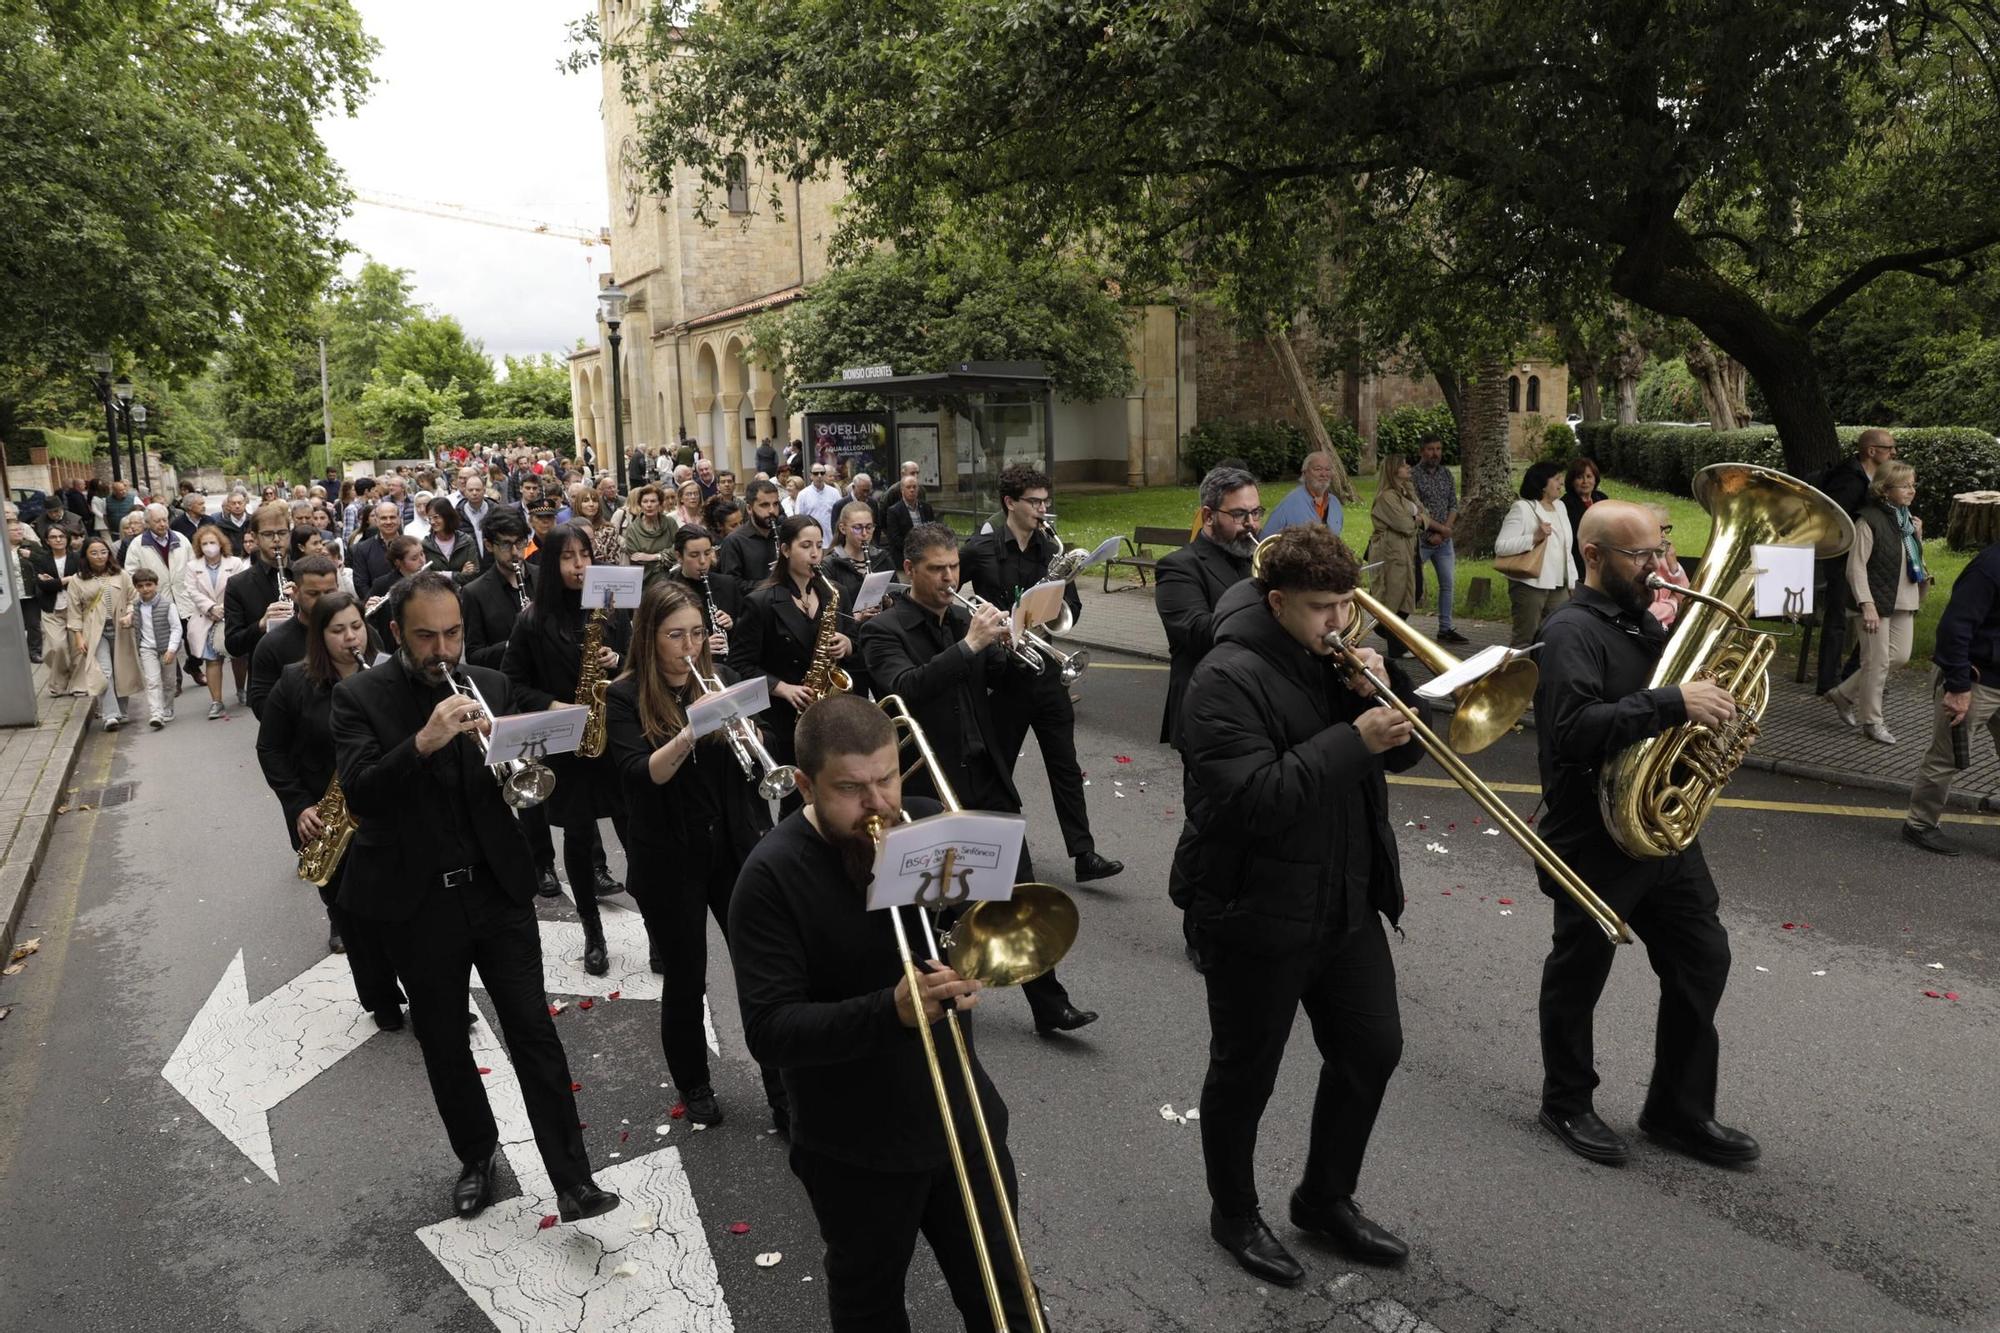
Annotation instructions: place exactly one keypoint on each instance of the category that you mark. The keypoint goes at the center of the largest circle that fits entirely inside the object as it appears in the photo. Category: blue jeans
(1441, 559)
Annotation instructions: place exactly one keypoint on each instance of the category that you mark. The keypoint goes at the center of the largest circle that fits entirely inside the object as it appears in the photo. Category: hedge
(1948, 459)
(70, 446)
(1404, 429)
(1270, 449)
(539, 432)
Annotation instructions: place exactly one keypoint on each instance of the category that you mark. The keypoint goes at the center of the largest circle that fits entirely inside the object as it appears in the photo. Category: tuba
(320, 857)
(824, 676)
(1655, 794)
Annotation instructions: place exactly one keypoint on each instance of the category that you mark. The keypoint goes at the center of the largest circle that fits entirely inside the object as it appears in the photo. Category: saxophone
(591, 684)
(824, 676)
(320, 857)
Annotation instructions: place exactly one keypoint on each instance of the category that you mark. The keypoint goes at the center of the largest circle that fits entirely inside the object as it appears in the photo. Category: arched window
(1513, 393)
(1534, 393)
(739, 184)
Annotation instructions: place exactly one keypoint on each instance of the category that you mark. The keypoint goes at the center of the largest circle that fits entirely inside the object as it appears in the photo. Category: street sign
(867, 372)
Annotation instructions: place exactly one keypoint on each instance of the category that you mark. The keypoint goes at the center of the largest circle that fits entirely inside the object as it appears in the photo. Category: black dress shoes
(1348, 1227)
(334, 944)
(474, 1189)
(585, 1200)
(1066, 1019)
(547, 885)
(1928, 837)
(596, 959)
(1588, 1137)
(1250, 1241)
(1708, 1140)
(389, 1018)
(702, 1108)
(606, 885)
(1091, 866)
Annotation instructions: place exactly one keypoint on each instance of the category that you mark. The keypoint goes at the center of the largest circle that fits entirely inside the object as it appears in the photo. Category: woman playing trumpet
(695, 817)
(295, 750)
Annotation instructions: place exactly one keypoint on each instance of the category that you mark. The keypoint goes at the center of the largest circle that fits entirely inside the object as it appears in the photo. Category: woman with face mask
(205, 577)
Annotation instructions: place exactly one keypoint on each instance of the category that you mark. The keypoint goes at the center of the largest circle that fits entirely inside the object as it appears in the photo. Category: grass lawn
(1088, 518)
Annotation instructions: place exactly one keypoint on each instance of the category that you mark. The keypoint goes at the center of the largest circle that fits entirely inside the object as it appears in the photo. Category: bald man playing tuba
(1599, 650)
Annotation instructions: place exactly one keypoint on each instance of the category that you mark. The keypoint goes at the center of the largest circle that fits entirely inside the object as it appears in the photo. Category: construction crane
(459, 213)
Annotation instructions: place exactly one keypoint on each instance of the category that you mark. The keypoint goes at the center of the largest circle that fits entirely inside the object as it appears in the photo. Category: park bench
(1135, 556)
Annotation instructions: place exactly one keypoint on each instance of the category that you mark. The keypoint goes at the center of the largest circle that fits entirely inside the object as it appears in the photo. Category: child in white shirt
(158, 628)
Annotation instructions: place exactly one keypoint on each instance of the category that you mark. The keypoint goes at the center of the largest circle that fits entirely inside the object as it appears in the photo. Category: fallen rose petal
(1790, 925)
(581, 1125)
(585, 1004)
(1449, 827)
(575, 1087)
(555, 1009)
(630, 1268)
(1508, 912)
(614, 995)
(1933, 995)
(739, 1228)
(485, 1069)
(1122, 758)
(1492, 832)
(624, 1134)
(698, 1127)
(1951, 995)
(1194, 1113)
(1447, 893)
(680, 1109)
(1505, 902)
(548, 1220)
(769, 1259)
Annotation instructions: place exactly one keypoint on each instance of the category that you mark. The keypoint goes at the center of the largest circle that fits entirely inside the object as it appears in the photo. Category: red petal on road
(1790, 925)
(484, 1070)
(1951, 995)
(624, 1134)
(586, 1004)
(1121, 758)
(576, 1087)
(1932, 995)
(1505, 902)
(548, 1220)
(739, 1228)
(680, 1109)
(581, 1125)
(1449, 827)
(554, 1009)
(1421, 827)
(614, 995)
(1447, 893)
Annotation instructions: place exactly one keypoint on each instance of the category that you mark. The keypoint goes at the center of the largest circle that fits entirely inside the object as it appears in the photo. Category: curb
(1970, 802)
(31, 842)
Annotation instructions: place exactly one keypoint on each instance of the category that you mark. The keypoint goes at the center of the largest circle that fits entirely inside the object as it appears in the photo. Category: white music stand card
(872, 589)
(622, 582)
(1105, 550)
(946, 859)
(1038, 606)
(1784, 581)
(536, 735)
(740, 701)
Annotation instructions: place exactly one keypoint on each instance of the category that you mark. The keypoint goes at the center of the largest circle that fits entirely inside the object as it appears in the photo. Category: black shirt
(1592, 703)
(816, 974)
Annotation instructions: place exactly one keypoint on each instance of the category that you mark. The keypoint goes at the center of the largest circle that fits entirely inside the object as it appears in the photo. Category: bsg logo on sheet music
(944, 872)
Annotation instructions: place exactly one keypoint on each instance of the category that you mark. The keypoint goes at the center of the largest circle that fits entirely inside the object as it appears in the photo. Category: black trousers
(1348, 990)
(1835, 601)
(870, 1221)
(454, 930)
(1689, 950)
(535, 823)
(675, 904)
(1042, 703)
(367, 953)
(1180, 873)
(31, 623)
(583, 857)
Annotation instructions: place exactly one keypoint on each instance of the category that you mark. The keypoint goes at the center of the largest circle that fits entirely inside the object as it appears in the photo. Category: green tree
(1748, 167)
(436, 350)
(360, 316)
(535, 386)
(395, 411)
(162, 176)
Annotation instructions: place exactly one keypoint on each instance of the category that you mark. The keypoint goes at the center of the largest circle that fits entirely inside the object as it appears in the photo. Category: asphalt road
(1876, 1205)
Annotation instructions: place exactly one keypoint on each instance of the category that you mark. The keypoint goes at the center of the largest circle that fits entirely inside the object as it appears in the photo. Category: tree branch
(1919, 262)
(1720, 234)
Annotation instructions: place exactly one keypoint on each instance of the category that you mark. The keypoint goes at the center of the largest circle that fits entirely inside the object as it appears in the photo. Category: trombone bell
(1011, 943)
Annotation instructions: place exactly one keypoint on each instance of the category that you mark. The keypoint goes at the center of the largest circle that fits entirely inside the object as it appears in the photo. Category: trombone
(524, 783)
(1000, 944)
(779, 780)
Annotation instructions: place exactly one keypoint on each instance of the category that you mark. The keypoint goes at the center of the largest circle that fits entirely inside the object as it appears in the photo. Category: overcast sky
(470, 109)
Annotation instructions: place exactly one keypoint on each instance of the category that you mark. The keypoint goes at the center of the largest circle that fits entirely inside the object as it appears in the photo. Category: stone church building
(686, 364)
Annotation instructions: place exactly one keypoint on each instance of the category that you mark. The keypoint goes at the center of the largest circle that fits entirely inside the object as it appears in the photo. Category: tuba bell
(1655, 794)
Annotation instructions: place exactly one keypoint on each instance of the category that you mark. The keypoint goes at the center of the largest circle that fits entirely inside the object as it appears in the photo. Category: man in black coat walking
(1295, 867)
(250, 602)
(368, 556)
(941, 659)
(313, 577)
(440, 862)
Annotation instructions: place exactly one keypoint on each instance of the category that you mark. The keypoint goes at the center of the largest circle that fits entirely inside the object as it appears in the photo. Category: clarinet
(708, 597)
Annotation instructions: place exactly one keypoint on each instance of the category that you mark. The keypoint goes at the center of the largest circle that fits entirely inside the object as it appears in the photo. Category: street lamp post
(122, 390)
(145, 459)
(611, 309)
(100, 363)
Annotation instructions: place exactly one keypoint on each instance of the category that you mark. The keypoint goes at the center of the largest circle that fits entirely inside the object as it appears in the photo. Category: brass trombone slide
(1488, 800)
(906, 723)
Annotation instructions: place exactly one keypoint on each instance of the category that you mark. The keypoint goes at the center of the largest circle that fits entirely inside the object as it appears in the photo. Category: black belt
(453, 879)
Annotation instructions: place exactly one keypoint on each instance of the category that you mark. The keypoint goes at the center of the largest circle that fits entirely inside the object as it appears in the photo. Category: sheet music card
(1105, 550)
(536, 735)
(1784, 581)
(741, 701)
(622, 582)
(945, 859)
(1038, 606)
(872, 588)
(1476, 667)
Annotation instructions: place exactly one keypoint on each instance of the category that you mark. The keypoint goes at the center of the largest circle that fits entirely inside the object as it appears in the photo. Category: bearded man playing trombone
(1293, 865)
(825, 1001)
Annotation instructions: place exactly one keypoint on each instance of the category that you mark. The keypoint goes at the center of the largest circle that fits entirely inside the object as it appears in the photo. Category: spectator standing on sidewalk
(1312, 501)
(1398, 518)
(1967, 692)
(1580, 492)
(1886, 578)
(1439, 493)
(1847, 484)
(1538, 520)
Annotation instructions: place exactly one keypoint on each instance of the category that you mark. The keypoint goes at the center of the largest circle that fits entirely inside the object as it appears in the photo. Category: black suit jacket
(491, 606)
(295, 742)
(36, 560)
(237, 534)
(543, 661)
(946, 688)
(245, 598)
(185, 526)
(747, 554)
(1189, 583)
(274, 652)
(896, 523)
(774, 639)
(393, 792)
(369, 559)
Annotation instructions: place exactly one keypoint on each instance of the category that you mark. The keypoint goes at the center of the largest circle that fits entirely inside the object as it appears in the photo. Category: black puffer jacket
(1267, 733)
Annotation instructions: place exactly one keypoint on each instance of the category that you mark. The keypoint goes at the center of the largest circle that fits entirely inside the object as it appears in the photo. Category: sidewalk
(35, 764)
(1801, 737)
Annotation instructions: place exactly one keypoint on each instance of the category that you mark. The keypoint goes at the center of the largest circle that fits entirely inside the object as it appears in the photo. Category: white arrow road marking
(238, 1060)
(533, 1281)
(630, 975)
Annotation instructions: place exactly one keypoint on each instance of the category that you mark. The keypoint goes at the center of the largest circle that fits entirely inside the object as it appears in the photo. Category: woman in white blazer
(1537, 517)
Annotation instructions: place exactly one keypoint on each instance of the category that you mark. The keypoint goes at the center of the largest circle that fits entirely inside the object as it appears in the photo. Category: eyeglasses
(1652, 553)
(1243, 515)
(1035, 501)
(685, 635)
(274, 534)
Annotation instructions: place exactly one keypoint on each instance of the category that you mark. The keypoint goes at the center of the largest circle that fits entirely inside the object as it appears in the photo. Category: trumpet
(524, 783)
(1000, 944)
(778, 780)
(1031, 650)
